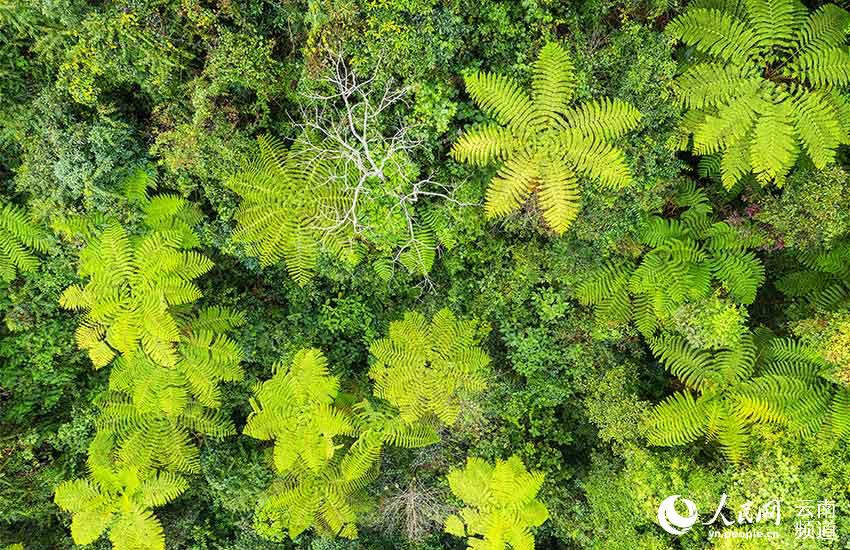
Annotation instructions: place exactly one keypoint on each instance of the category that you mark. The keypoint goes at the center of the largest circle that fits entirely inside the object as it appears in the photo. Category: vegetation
(769, 86)
(422, 274)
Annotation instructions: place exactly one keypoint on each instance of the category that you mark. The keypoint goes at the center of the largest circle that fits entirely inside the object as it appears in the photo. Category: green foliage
(326, 501)
(117, 500)
(113, 49)
(426, 369)
(542, 143)
(824, 279)
(320, 485)
(19, 237)
(790, 388)
(825, 408)
(812, 211)
(327, 450)
(97, 97)
(295, 408)
(290, 207)
(729, 397)
(686, 255)
(501, 504)
(166, 360)
(767, 86)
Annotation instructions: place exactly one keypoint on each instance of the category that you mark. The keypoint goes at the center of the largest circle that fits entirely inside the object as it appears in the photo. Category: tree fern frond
(839, 415)
(824, 28)
(596, 159)
(772, 94)
(731, 123)
(19, 237)
(552, 85)
(604, 119)
(773, 148)
(501, 503)
(677, 420)
(501, 98)
(817, 125)
(766, 399)
(693, 367)
(513, 184)
(423, 369)
(715, 33)
(735, 163)
(608, 290)
(741, 273)
(558, 194)
(483, 145)
(823, 68)
(732, 435)
(715, 84)
(418, 257)
(775, 22)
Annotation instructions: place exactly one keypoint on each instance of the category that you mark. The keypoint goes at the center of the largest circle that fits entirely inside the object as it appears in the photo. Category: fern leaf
(766, 399)
(138, 529)
(731, 123)
(775, 22)
(826, 27)
(677, 420)
(694, 368)
(558, 194)
(732, 434)
(715, 33)
(418, 256)
(817, 125)
(513, 185)
(823, 68)
(483, 145)
(735, 162)
(596, 159)
(553, 84)
(741, 274)
(715, 84)
(608, 290)
(501, 98)
(604, 119)
(773, 148)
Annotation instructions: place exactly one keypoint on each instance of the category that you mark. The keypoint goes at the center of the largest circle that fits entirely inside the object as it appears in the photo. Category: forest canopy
(424, 274)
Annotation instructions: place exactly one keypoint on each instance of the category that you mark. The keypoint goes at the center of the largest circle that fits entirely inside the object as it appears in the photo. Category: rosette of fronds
(766, 83)
(543, 144)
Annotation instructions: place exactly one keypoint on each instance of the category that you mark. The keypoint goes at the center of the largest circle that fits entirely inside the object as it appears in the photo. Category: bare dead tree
(414, 511)
(347, 124)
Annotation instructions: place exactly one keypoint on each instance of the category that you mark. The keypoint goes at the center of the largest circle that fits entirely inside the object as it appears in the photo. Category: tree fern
(765, 88)
(167, 362)
(686, 256)
(423, 368)
(289, 207)
(325, 452)
(117, 500)
(296, 409)
(541, 143)
(19, 239)
(131, 286)
(501, 504)
(726, 394)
